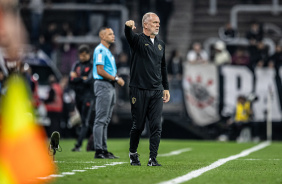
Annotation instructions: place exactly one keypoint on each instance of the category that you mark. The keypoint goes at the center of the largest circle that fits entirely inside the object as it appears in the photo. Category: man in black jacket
(81, 81)
(148, 84)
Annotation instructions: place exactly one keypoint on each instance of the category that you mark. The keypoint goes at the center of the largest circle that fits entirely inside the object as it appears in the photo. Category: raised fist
(130, 23)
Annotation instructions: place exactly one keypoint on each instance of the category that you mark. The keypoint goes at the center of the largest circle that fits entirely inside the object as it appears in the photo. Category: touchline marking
(74, 171)
(255, 159)
(78, 170)
(196, 173)
(116, 163)
(176, 152)
(68, 173)
(94, 167)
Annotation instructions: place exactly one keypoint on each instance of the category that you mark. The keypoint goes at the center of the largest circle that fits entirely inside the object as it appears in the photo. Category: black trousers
(236, 127)
(83, 106)
(146, 103)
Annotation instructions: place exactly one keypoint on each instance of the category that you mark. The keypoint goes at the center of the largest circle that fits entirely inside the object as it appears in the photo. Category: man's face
(197, 47)
(153, 24)
(109, 36)
(84, 56)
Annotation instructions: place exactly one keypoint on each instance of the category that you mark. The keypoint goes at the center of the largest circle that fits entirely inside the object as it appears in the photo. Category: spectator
(164, 9)
(46, 40)
(276, 58)
(227, 33)
(174, 70)
(124, 72)
(222, 56)
(197, 55)
(240, 57)
(259, 55)
(242, 117)
(68, 105)
(37, 9)
(255, 33)
(82, 82)
(69, 51)
(26, 72)
(174, 67)
(54, 105)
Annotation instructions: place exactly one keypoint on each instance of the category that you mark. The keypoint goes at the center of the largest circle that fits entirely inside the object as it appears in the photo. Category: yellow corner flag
(23, 150)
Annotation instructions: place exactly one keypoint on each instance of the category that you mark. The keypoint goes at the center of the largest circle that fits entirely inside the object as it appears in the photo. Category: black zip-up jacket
(82, 88)
(147, 63)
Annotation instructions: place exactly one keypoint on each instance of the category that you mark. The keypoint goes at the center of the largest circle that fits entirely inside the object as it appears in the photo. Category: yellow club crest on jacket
(160, 47)
(133, 100)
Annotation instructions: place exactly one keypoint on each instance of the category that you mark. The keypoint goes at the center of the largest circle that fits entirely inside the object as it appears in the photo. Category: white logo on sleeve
(99, 58)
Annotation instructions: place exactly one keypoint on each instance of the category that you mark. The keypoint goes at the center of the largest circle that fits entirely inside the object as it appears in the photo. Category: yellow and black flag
(23, 150)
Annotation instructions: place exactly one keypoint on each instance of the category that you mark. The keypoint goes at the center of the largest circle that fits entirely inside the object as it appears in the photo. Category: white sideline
(196, 173)
(176, 152)
(74, 171)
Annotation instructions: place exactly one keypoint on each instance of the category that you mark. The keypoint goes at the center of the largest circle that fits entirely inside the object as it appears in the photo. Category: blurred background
(224, 63)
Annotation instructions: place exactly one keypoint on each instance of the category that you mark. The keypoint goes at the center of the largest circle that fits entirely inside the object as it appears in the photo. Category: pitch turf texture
(262, 166)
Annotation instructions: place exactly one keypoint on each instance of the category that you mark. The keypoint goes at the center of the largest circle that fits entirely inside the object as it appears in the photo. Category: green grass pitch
(263, 166)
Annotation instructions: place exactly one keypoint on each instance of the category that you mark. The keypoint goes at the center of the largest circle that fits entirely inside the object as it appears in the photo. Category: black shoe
(109, 155)
(87, 149)
(99, 154)
(153, 162)
(134, 159)
(75, 149)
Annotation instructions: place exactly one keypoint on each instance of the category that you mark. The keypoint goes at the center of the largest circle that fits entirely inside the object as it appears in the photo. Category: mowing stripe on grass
(196, 173)
(176, 152)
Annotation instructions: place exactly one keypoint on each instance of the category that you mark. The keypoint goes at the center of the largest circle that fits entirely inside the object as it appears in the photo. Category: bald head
(146, 18)
(107, 36)
(103, 31)
(151, 24)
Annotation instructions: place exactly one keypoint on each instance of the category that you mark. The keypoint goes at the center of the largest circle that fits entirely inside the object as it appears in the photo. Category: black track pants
(146, 103)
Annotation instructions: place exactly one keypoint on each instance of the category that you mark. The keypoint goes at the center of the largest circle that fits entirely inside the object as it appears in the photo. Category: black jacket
(82, 88)
(147, 62)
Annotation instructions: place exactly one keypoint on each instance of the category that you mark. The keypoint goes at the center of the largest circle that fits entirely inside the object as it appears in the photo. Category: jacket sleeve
(131, 37)
(74, 80)
(90, 78)
(164, 73)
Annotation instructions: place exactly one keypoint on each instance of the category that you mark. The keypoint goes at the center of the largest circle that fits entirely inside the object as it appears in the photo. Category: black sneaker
(134, 159)
(75, 149)
(109, 155)
(99, 154)
(153, 162)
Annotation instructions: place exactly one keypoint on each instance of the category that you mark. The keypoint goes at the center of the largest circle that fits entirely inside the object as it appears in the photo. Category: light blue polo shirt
(103, 56)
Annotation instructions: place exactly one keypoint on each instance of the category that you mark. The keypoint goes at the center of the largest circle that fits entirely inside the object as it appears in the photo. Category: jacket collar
(148, 37)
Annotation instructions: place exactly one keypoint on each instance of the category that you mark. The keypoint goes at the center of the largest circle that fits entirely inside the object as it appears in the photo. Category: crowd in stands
(255, 54)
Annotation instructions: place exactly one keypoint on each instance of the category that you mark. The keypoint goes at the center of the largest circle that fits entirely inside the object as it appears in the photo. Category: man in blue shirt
(104, 73)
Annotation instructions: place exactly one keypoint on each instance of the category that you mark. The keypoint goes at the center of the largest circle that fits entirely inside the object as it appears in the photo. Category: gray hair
(146, 17)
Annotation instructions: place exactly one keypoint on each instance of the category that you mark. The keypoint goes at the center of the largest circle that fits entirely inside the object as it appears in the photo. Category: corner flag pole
(269, 115)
